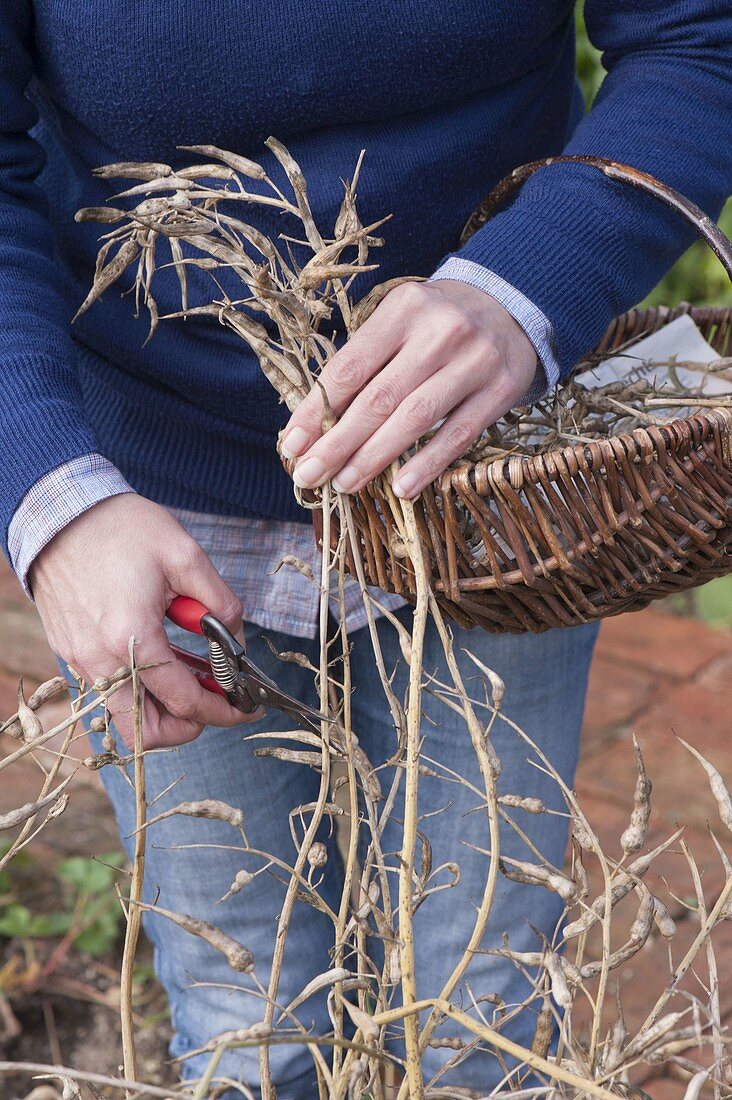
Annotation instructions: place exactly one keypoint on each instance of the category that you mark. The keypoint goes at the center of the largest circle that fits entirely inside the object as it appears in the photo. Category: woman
(133, 474)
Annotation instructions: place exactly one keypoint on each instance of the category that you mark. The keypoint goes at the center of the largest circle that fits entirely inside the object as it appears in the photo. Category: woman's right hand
(110, 575)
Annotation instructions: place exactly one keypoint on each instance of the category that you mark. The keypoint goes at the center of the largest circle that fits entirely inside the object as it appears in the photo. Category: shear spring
(224, 674)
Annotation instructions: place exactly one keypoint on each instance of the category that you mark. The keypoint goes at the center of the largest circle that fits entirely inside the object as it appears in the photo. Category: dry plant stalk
(187, 213)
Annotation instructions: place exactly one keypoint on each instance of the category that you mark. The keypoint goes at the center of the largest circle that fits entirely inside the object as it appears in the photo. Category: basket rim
(678, 438)
(517, 469)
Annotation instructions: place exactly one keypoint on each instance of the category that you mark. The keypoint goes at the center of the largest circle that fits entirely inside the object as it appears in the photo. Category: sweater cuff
(53, 501)
(535, 324)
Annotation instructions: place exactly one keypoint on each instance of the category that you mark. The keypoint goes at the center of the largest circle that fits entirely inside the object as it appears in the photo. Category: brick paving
(654, 675)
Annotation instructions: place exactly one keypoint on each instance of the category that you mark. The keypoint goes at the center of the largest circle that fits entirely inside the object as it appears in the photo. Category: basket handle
(707, 229)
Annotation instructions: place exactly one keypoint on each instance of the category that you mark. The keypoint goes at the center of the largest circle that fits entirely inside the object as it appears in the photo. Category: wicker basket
(584, 532)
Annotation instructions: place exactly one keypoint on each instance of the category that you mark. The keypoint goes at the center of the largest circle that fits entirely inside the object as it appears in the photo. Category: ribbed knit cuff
(53, 501)
(537, 328)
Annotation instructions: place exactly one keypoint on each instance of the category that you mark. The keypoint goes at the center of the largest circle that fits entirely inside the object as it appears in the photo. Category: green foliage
(17, 921)
(90, 912)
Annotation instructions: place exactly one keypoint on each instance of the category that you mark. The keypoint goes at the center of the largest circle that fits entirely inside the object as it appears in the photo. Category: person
(134, 473)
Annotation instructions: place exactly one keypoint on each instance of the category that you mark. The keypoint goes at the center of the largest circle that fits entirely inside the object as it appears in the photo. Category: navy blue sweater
(444, 97)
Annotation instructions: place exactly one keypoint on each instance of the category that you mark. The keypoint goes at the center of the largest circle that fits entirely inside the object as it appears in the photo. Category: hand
(111, 573)
(428, 351)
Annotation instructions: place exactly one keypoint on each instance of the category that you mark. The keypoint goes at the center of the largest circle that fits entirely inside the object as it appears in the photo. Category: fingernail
(346, 480)
(294, 442)
(404, 484)
(309, 473)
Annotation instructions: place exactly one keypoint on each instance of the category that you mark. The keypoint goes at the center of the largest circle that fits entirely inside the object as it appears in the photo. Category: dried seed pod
(622, 887)
(716, 784)
(498, 688)
(536, 959)
(241, 881)
(558, 979)
(583, 834)
(328, 418)
(640, 929)
(167, 183)
(98, 724)
(105, 215)
(447, 1043)
(207, 171)
(29, 722)
(665, 923)
(405, 638)
(634, 836)
(237, 955)
(289, 656)
(363, 309)
(686, 1038)
(394, 964)
(579, 872)
(294, 563)
(697, 1083)
(531, 805)
(126, 255)
(533, 874)
(367, 774)
(726, 913)
(212, 809)
(647, 1038)
(313, 760)
(240, 164)
(238, 1036)
(544, 1031)
(104, 683)
(615, 1041)
(314, 275)
(322, 981)
(130, 170)
(317, 854)
(58, 807)
(100, 760)
(22, 813)
(52, 689)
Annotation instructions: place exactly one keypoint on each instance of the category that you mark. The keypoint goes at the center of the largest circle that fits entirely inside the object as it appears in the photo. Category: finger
(191, 572)
(122, 713)
(177, 690)
(372, 408)
(370, 347)
(417, 414)
(449, 442)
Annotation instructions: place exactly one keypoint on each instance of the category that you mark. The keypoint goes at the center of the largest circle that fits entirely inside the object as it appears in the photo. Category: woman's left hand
(429, 351)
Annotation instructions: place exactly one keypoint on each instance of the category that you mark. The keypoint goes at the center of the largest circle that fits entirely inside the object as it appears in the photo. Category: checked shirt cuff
(536, 326)
(53, 501)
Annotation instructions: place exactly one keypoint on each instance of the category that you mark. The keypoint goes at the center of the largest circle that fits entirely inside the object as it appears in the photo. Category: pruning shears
(229, 672)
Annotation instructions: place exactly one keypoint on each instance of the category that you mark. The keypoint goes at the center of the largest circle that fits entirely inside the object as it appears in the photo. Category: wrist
(534, 324)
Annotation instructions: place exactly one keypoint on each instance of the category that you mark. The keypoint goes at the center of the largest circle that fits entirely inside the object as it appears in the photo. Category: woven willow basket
(586, 531)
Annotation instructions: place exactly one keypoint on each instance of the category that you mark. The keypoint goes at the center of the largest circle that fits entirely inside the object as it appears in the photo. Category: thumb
(197, 576)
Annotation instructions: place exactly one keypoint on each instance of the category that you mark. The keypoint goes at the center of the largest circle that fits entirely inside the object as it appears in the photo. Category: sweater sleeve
(583, 248)
(42, 423)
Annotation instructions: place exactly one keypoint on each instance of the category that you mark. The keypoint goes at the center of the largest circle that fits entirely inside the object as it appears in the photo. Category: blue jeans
(545, 678)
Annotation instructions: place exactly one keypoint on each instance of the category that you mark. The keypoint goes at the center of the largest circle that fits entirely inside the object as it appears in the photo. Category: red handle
(186, 612)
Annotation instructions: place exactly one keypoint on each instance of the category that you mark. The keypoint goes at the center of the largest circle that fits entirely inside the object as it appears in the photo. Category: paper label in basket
(648, 361)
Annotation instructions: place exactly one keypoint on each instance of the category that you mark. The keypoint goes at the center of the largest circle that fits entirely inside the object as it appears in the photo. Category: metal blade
(265, 691)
